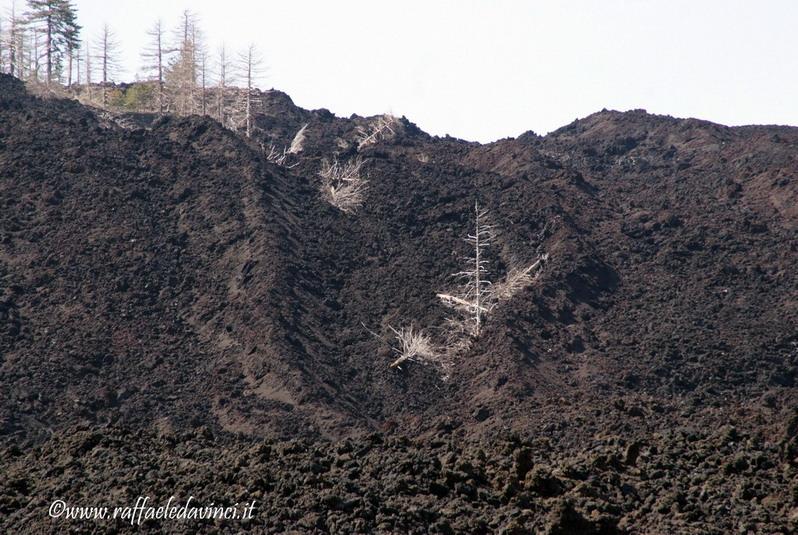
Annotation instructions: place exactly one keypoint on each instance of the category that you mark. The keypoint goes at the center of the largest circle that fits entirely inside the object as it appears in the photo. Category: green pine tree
(58, 21)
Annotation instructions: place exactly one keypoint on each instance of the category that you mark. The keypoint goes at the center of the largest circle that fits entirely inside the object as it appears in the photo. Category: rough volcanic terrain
(181, 316)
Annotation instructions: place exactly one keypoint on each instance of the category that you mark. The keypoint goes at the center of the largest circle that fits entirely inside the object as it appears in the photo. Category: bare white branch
(277, 157)
(516, 280)
(460, 303)
(282, 158)
(298, 143)
(384, 128)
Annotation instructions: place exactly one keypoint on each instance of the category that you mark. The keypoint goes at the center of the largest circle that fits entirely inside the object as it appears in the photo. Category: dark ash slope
(171, 280)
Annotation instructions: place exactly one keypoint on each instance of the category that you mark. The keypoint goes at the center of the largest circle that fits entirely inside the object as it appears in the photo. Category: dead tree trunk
(470, 299)
(251, 64)
(105, 65)
(203, 72)
(107, 57)
(155, 57)
(88, 70)
(77, 67)
(69, 67)
(222, 87)
(17, 44)
(49, 49)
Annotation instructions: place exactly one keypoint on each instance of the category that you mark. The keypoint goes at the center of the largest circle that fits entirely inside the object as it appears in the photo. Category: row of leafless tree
(188, 80)
(181, 75)
(184, 69)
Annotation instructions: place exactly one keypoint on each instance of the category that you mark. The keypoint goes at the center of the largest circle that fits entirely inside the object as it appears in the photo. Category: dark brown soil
(678, 481)
(180, 316)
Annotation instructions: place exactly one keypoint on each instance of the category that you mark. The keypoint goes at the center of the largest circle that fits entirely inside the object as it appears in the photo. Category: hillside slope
(179, 252)
(172, 280)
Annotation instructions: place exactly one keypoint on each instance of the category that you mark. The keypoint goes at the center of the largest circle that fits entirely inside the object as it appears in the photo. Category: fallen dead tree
(343, 186)
(384, 128)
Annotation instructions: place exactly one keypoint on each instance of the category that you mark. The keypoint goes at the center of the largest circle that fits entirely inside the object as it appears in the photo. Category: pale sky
(487, 69)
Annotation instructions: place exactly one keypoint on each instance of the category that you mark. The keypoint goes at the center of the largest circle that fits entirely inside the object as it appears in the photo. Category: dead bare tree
(342, 184)
(473, 300)
(469, 299)
(88, 70)
(34, 54)
(222, 82)
(250, 64)
(22, 48)
(413, 346)
(2, 47)
(201, 67)
(19, 51)
(70, 53)
(181, 76)
(477, 296)
(202, 56)
(78, 59)
(12, 42)
(155, 56)
(107, 53)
